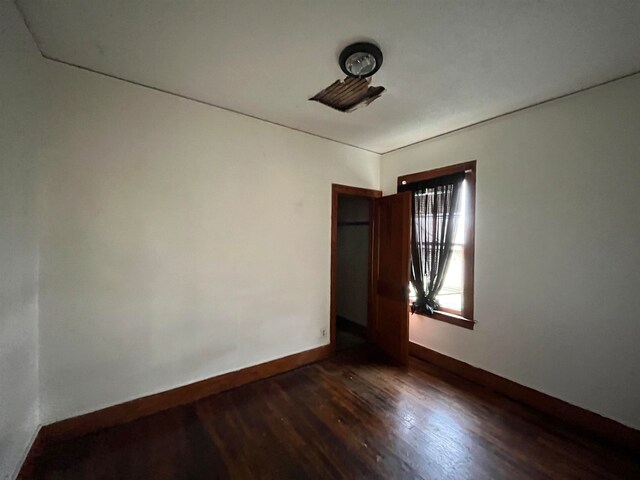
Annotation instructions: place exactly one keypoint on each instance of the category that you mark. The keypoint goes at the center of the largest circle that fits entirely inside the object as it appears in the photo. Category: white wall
(179, 241)
(19, 103)
(352, 272)
(557, 253)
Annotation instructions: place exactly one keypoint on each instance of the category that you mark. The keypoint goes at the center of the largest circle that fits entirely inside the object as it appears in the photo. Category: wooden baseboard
(141, 407)
(27, 469)
(605, 428)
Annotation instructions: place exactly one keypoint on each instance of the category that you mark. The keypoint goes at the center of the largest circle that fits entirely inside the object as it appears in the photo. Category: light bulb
(360, 63)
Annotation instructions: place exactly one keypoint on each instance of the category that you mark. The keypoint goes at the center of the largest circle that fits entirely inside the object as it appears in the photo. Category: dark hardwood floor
(349, 417)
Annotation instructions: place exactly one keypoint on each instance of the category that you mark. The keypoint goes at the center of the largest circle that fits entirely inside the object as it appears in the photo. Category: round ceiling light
(360, 60)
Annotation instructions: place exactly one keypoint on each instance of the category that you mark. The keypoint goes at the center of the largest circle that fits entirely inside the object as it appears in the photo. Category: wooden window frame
(466, 320)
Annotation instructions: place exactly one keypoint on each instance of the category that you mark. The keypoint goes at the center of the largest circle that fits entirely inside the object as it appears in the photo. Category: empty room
(300, 239)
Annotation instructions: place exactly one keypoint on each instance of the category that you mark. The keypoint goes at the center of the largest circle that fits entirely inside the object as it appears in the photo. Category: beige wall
(20, 104)
(179, 241)
(557, 254)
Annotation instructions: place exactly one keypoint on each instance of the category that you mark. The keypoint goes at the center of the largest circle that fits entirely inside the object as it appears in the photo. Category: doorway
(351, 268)
(366, 225)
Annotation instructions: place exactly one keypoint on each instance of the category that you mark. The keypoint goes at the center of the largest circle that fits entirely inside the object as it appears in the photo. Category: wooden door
(392, 230)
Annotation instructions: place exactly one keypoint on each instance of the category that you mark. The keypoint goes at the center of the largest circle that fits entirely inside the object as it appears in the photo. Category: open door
(390, 316)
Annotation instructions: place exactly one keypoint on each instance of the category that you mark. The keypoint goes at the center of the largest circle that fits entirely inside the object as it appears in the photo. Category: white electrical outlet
(323, 332)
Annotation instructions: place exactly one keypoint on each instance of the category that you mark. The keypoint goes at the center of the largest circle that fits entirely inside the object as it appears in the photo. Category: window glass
(450, 297)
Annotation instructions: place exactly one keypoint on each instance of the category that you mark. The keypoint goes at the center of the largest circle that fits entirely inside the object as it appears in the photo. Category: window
(442, 196)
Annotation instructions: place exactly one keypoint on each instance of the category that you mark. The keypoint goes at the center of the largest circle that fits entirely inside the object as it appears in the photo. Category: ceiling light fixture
(360, 59)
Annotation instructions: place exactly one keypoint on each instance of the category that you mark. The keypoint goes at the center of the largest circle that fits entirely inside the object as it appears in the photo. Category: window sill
(450, 318)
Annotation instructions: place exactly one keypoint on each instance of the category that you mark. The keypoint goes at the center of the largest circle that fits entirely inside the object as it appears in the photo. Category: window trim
(466, 320)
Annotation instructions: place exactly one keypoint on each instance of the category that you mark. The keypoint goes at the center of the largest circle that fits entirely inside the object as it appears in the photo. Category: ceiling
(447, 64)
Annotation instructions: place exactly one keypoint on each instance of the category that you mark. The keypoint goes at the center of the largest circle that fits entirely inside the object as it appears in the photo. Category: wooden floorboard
(353, 416)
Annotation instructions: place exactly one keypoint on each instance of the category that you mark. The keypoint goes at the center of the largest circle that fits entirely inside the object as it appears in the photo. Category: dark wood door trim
(338, 190)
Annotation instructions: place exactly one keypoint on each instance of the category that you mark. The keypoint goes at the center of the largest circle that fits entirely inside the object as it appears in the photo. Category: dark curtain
(434, 223)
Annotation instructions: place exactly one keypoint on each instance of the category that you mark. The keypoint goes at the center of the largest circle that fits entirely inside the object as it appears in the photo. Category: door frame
(337, 191)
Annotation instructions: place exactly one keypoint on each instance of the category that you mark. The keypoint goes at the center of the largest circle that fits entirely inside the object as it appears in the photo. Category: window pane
(450, 296)
(459, 236)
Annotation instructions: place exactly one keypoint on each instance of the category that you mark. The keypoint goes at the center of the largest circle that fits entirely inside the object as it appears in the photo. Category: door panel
(392, 230)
